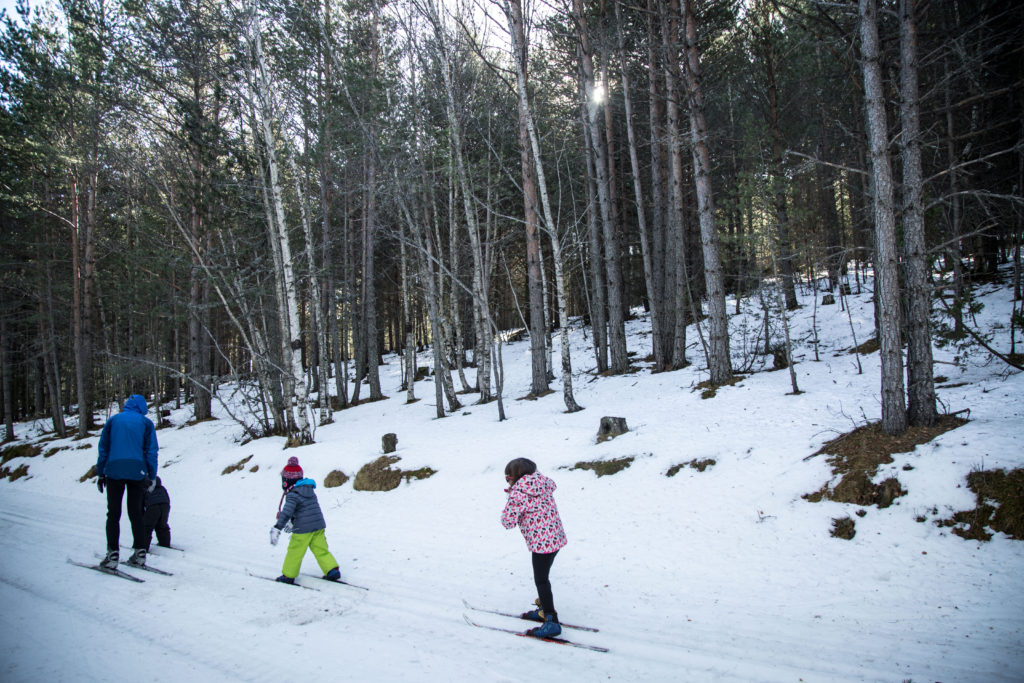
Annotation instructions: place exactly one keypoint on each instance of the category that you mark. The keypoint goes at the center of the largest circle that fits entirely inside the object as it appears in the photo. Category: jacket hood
(536, 484)
(136, 403)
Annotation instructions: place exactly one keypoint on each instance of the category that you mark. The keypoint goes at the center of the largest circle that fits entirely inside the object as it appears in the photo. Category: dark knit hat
(292, 471)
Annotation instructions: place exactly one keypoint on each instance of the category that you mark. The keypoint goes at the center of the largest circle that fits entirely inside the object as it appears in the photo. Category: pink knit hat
(292, 471)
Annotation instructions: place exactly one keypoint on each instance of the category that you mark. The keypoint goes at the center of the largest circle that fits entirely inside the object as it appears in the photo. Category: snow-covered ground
(721, 575)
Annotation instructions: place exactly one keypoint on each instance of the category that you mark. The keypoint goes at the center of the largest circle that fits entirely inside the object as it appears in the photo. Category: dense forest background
(264, 197)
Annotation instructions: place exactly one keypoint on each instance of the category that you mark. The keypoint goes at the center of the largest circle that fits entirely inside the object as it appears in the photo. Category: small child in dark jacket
(157, 509)
(301, 515)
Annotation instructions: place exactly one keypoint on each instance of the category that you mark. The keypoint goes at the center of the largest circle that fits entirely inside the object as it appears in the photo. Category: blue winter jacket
(302, 508)
(128, 446)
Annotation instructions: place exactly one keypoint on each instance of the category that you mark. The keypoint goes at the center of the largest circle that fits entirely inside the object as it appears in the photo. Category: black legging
(541, 568)
(155, 519)
(136, 496)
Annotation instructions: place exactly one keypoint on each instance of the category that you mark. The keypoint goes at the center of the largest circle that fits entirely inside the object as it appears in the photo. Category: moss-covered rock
(380, 476)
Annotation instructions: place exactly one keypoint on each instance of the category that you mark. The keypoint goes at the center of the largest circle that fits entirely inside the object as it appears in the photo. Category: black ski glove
(100, 483)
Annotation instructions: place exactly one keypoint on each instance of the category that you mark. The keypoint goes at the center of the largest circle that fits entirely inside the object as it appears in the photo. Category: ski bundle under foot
(526, 634)
(143, 567)
(107, 570)
(520, 616)
(270, 578)
(343, 583)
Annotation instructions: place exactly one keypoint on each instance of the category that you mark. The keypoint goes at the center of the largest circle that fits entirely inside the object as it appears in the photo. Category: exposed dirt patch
(237, 466)
(21, 450)
(857, 455)
(15, 474)
(709, 390)
(1000, 507)
(870, 346)
(533, 397)
(88, 475)
(379, 475)
(605, 467)
(699, 465)
(335, 478)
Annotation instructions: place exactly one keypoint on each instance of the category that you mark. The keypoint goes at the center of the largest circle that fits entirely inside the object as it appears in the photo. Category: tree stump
(389, 442)
(828, 300)
(610, 428)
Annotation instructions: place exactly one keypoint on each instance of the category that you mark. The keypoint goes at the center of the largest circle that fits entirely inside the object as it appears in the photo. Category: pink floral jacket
(531, 505)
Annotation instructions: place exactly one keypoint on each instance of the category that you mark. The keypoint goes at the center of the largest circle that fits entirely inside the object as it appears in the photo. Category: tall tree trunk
(613, 269)
(598, 290)
(658, 134)
(719, 362)
(676, 271)
(6, 388)
(290, 327)
(538, 365)
(82, 276)
(920, 381)
(638, 195)
(894, 415)
(520, 55)
(779, 176)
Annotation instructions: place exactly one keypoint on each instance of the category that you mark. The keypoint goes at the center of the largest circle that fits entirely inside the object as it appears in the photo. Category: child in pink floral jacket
(531, 507)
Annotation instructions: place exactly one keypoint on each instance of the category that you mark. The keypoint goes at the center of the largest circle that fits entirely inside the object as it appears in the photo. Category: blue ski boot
(286, 579)
(333, 575)
(550, 629)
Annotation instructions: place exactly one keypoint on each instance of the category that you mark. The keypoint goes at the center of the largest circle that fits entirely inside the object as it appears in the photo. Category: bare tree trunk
(613, 270)
(778, 177)
(316, 322)
(719, 362)
(520, 50)
(920, 381)
(656, 108)
(369, 284)
(51, 366)
(598, 290)
(638, 195)
(676, 271)
(894, 415)
(539, 375)
(5, 378)
(409, 359)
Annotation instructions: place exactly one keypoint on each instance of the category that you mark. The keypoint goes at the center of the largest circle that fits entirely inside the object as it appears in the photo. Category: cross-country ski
(338, 581)
(107, 570)
(520, 616)
(270, 578)
(526, 634)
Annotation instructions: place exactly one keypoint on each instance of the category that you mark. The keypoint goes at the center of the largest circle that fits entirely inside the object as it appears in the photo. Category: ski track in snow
(722, 575)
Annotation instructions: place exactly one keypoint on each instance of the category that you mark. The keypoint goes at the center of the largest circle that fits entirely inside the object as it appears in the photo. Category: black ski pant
(155, 519)
(541, 569)
(136, 495)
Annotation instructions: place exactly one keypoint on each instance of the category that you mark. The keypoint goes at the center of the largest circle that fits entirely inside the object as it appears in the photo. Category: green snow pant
(315, 541)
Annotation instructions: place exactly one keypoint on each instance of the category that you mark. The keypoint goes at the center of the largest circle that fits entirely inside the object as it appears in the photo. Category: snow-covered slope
(722, 575)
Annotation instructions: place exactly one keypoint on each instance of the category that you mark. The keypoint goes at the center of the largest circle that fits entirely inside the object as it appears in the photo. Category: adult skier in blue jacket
(127, 462)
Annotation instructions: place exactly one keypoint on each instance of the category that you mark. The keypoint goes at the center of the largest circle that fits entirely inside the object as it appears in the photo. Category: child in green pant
(300, 513)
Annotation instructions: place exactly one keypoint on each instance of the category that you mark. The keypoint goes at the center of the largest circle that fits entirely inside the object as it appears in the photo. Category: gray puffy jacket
(302, 509)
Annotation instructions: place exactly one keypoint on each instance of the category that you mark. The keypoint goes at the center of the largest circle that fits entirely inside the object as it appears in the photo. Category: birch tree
(290, 326)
